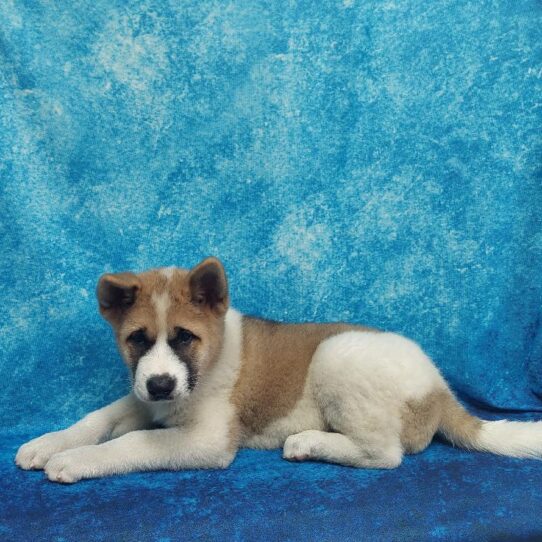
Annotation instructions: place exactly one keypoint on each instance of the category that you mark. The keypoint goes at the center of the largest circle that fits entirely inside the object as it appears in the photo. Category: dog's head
(169, 325)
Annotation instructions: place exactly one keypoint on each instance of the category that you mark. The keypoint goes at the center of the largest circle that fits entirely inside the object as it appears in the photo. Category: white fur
(515, 439)
(383, 367)
(337, 448)
(361, 381)
(161, 359)
(161, 304)
(214, 390)
(197, 437)
(168, 272)
(357, 385)
(116, 419)
(364, 379)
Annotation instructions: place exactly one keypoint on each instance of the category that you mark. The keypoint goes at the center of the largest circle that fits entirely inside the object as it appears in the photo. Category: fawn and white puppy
(208, 380)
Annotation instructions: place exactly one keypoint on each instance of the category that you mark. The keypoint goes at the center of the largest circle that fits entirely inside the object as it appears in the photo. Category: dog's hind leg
(338, 448)
(361, 382)
(361, 432)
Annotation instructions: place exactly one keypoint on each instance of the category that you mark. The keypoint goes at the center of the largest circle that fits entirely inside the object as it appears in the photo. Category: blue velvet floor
(442, 494)
(368, 161)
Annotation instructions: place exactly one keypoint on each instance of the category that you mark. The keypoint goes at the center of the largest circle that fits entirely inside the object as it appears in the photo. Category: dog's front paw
(36, 453)
(72, 465)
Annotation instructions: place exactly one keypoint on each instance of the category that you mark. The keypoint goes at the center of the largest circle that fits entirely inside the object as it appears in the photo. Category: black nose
(160, 386)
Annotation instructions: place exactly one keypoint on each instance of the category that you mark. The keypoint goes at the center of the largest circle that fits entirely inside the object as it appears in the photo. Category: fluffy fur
(330, 392)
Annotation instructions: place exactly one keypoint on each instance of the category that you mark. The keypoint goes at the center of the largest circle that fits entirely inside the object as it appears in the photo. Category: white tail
(516, 439)
(503, 437)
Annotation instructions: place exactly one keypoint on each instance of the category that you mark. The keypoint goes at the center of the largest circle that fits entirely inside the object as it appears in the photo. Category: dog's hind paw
(298, 447)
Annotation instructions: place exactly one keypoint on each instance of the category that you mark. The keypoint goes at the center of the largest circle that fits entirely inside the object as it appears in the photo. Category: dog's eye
(182, 336)
(139, 338)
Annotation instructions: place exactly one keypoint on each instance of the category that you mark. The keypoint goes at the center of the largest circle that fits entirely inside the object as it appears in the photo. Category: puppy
(208, 380)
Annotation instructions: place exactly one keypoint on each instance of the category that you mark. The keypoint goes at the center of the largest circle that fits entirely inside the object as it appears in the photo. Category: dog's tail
(503, 437)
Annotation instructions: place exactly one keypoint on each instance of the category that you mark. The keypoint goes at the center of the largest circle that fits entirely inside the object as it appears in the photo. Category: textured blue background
(370, 161)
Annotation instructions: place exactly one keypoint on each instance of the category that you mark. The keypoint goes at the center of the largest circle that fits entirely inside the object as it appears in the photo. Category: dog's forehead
(168, 281)
(163, 297)
(158, 290)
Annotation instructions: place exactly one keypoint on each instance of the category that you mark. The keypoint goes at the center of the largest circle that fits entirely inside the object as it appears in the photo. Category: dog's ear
(209, 286)
(116, 292)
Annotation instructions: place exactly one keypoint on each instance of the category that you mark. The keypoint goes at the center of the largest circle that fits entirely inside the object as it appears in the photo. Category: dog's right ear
(116, 292)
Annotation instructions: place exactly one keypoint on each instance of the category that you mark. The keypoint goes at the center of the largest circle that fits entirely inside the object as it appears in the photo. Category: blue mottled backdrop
(370, 161)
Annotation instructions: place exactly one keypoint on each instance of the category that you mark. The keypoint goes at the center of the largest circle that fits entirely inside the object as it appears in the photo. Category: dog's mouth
(146, 398)
(165, 399)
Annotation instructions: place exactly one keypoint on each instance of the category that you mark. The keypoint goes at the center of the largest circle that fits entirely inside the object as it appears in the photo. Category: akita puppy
(208, 380)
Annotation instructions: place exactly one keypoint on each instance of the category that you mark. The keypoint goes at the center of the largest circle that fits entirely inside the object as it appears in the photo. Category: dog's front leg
(159, 449)
(120, 417)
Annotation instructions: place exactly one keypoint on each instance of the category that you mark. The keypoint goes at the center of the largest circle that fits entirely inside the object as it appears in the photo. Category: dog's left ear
(209, 286)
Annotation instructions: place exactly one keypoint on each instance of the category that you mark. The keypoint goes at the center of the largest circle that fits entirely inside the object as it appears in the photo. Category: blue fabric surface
(372, 162)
